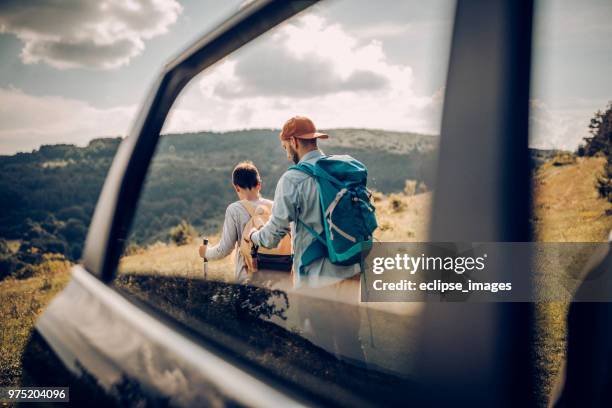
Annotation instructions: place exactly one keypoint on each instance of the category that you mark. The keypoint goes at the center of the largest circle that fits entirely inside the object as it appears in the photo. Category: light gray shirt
(236, 217)
(297, 197)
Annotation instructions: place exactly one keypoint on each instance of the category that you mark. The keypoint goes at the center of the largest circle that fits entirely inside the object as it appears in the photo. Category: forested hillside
(191, 175)
(47, 199)
(48, 196)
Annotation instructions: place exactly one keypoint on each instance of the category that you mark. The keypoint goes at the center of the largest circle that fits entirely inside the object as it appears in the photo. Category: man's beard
(294, 155)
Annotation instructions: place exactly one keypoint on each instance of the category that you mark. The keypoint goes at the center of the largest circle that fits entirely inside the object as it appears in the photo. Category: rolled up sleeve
(283, 213)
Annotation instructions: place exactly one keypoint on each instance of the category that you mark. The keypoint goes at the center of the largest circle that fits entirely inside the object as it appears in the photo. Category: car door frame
(502, 29)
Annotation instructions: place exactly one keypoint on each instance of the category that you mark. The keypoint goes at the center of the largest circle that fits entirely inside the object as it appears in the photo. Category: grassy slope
(161, 259)
(21, 302)
(567, 209)
(407, 221)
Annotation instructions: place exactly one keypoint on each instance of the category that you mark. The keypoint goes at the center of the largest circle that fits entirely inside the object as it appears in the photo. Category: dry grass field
(169, 259)
(401, 218)
(567, 208)
(21, 302)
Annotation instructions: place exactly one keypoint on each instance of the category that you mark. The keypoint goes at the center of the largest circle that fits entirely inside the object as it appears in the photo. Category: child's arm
(229, 236)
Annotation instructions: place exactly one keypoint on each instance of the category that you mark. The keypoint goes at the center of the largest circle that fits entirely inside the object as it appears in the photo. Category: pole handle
(205, 242)
(205, 263)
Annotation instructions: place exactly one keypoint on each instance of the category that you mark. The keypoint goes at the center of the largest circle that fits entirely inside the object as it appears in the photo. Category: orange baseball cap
(300, 127)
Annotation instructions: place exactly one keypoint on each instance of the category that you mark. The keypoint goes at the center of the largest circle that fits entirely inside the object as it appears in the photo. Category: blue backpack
(348, 216)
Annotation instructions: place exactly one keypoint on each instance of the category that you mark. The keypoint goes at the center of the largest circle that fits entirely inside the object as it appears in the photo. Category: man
(323, 286)
(297, 196)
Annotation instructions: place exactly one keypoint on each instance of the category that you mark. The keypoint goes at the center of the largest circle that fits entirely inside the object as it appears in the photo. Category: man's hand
(247, 238)
(202, 251)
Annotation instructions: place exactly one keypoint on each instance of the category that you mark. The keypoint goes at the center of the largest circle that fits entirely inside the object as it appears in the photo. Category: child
(247, 183)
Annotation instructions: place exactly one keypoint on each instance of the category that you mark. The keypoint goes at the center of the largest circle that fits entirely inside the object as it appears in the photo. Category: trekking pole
(205, 243)
(365, 283)
(254, 255)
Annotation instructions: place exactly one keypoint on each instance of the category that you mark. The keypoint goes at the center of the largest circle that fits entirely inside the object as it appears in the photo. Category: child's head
(245, 178)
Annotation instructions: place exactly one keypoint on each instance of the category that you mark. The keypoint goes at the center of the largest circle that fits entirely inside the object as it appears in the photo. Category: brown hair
(246, 175)
(307, 142)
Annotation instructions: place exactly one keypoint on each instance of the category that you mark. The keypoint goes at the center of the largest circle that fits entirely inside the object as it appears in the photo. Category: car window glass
(372, 77)
(570, 98)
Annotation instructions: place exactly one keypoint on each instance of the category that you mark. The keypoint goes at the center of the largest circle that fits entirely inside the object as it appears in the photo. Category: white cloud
(359, 87)
(27, 121)
(314, 68)
(557, 128)
(93, 34)
(383, 29)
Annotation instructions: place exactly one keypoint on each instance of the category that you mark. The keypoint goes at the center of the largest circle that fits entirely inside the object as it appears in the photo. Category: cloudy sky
(77, 69)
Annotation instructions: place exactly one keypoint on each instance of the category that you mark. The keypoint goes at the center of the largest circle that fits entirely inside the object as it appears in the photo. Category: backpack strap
(317, 249)
(249, 206)
(309, 169)
(304, 167)
(312, 232)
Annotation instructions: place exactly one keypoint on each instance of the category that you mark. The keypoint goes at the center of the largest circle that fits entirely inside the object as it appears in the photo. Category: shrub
(385, 226)
(25, 272)
(377, 196)
(75, 212)
(422, 188)
(7, 266)
(562, 159)
(604, 182)
(4, 247)
(410, 187)
(396, 202)
(132, 249)
(183, 233)
(50, 263)
(74, 231)
(76, 250)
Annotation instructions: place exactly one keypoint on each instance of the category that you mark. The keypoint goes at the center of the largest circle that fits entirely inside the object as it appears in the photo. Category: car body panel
(95, 330)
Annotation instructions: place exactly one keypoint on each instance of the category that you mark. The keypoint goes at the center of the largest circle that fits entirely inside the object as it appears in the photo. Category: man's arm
(283, 213)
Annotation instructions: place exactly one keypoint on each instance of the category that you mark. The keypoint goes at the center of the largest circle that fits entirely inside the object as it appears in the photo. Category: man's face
(291, 150)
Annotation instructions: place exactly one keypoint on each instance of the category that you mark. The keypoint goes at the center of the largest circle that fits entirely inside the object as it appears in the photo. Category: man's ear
(294, 143)
(236, 188)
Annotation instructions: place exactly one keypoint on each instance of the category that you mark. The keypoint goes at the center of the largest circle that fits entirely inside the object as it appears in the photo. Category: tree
(600, 143)
(600, 128)
(74, 231)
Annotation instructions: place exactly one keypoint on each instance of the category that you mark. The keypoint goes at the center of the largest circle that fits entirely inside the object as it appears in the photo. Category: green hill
(190, 176)
(48, 195)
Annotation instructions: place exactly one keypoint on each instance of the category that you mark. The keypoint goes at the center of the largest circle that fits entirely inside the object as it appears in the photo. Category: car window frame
(118, 199)
(510, 63)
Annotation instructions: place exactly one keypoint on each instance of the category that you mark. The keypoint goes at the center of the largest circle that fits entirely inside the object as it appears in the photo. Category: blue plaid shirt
(297, 197)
